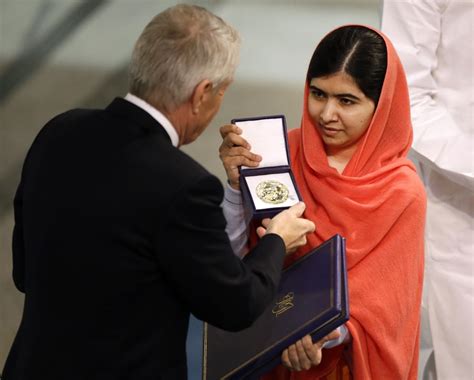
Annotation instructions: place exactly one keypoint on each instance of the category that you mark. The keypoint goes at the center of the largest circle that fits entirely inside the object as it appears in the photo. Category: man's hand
(290, 226)
(234, 152)
(304, 354)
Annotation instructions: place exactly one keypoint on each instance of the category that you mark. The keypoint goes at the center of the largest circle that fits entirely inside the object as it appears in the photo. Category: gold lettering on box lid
(284, 304)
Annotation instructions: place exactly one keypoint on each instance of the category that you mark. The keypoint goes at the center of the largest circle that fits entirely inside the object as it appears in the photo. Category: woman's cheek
(313, 110)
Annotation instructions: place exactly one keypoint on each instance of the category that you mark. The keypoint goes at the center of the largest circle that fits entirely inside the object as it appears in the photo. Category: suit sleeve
(18, 246)
(201, 265)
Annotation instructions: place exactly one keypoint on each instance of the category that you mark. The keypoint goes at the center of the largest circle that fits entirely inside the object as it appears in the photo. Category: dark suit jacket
(118, 237)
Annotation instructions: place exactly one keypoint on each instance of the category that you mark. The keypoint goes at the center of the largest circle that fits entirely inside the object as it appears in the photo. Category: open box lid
(267, 138)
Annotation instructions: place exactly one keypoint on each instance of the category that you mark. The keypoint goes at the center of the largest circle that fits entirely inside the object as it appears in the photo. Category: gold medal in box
(269, 188)
(271, 191)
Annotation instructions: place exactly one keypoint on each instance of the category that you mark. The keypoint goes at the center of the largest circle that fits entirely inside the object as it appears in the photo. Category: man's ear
(199, 94)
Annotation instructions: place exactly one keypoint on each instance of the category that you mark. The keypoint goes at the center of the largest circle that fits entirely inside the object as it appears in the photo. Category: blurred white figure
(434, 39)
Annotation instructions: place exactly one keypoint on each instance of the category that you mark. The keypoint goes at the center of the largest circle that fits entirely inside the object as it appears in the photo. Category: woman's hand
(234, 152)
(304, 354)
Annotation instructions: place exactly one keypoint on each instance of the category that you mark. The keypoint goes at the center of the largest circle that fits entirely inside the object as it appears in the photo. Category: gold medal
(272, 192)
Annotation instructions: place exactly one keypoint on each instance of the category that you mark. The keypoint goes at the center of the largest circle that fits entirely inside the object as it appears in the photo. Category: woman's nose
(329, 112)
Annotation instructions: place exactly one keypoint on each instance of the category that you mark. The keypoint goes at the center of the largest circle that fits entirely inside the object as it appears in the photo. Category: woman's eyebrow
(313, 87)
(347, 95)
(341, 95)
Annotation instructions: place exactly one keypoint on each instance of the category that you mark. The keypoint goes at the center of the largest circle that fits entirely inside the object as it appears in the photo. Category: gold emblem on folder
(272, 192)
(284, 304)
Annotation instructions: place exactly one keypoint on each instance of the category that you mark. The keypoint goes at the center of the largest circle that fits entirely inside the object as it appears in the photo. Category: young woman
(349, 161)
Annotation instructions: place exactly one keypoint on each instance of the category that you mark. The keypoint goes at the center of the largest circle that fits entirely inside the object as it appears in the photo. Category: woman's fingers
(233, 139)
(303, 354)
(314, 356)
(229, 128)
(293, 358)
(303, 359)
(235, 152)
(285, 360)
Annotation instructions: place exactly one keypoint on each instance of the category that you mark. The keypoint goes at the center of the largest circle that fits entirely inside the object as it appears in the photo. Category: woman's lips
(330, 131)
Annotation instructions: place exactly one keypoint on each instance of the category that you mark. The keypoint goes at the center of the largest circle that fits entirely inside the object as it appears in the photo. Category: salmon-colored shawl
(378, 204)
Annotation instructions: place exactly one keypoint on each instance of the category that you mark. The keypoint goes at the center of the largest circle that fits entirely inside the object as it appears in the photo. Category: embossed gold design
(272, 192)
(284, 304)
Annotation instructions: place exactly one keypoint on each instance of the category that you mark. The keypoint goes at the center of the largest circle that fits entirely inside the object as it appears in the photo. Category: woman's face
(340, 110)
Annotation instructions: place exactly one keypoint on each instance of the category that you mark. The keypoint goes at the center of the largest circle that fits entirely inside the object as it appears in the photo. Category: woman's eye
(317, 93)
(346, 101)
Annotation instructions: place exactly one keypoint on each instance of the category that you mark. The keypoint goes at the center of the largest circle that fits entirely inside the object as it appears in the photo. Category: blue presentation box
(312, 299)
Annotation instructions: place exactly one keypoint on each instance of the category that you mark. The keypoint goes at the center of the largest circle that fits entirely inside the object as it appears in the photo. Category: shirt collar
(157, 115)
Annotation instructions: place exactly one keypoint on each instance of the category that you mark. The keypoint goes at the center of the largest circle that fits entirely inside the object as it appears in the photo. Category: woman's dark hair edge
(356, 50)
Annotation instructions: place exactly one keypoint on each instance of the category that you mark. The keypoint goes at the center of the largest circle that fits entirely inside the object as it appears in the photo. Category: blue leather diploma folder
(312, 299)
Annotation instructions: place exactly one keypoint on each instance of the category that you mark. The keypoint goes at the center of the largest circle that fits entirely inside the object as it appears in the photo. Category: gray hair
(179, 48)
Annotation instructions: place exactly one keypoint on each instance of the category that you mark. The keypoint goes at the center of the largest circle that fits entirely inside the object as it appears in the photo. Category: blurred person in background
(434, 39)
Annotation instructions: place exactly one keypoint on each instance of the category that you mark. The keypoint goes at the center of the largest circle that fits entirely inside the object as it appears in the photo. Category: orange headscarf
(377, 203)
